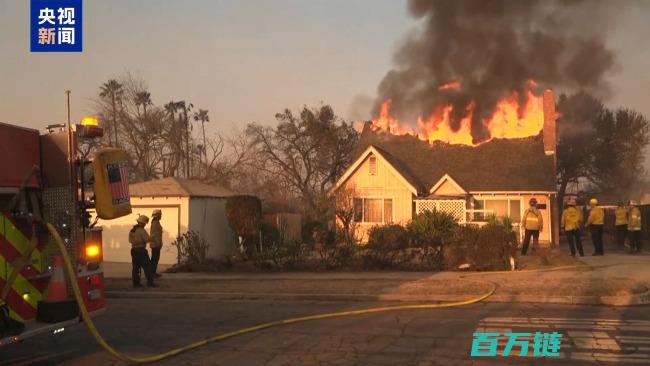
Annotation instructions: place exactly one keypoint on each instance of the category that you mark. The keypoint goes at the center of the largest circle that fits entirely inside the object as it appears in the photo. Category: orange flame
(509, 120)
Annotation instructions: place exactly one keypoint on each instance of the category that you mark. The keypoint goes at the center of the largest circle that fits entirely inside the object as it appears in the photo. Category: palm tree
(185, 109)
(113, 90)
(202, 116)
(143, 98)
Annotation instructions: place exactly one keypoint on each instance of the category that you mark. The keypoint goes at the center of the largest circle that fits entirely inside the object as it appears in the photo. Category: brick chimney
(550, 149)
(550, 134)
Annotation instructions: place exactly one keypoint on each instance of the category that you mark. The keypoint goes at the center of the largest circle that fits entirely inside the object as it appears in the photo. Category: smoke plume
(494, 47)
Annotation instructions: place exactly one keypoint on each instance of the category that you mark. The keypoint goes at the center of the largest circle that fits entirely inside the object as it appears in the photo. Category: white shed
(185, 205)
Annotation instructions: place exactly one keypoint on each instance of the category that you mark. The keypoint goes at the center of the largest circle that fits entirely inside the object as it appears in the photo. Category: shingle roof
(497, 165)
(177, 187)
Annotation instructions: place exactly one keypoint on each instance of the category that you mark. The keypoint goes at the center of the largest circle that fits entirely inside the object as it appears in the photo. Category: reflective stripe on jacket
(571, 218)
(532, 219)
(621, 216)
(138, 237)
(596, 216)
(634, 223)
(156, 232)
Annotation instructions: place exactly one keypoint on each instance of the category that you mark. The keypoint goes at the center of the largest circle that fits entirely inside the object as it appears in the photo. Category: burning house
(398, 173)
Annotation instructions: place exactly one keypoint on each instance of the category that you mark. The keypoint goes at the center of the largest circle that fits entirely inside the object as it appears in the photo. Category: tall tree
(306, 151)
(622, 136)
(202, 116)
(112, 90)
(601, 147)
(576, 134)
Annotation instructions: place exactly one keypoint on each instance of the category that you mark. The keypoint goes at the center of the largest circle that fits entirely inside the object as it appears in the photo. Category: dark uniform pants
(636, 240)
(621, 233)
(527, 235)
(140, 260)
(155, 258)
(597, 238)
(573, 237)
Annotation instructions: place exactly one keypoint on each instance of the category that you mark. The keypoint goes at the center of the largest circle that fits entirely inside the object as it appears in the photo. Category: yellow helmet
(143, 219)
(593, 202)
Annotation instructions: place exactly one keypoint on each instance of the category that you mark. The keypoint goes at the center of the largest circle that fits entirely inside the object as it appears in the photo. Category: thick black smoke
(494, 47)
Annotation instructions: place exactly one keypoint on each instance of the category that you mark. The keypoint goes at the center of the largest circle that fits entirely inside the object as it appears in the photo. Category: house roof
(497, 165)
(177, 187)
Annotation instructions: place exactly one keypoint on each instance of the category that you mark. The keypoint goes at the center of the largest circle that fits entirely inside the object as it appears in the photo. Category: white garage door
(116, 234)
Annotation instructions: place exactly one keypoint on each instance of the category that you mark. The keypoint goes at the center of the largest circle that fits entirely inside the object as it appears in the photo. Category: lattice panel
(428, 205)
(454, 207)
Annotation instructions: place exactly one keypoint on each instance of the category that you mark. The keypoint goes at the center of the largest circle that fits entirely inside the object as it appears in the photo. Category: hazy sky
(244, 60)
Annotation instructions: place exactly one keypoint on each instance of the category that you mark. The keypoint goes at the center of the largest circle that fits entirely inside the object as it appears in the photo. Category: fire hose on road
(220, 337)
(223, 336)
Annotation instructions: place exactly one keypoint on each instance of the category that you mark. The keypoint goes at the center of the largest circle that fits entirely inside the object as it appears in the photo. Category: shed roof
(177, 187)
(497, 165)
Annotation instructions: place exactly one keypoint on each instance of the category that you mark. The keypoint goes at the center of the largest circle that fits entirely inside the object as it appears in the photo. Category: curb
(620, 300)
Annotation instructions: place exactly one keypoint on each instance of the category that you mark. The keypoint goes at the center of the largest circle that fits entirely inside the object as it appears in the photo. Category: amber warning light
(92, 251)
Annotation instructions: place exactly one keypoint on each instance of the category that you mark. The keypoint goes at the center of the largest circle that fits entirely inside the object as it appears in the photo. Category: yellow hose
(154, 358)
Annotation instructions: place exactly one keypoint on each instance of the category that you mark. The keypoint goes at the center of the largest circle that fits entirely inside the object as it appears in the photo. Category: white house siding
(174, 221)
(208, 217)
(383, 184)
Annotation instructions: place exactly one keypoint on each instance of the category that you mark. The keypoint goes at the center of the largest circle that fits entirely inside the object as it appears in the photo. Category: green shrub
(487, 248)
(430, 228)
(244, 214)
(384, 245)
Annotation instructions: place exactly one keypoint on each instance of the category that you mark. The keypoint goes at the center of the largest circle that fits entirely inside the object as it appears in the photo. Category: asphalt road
(591, 335)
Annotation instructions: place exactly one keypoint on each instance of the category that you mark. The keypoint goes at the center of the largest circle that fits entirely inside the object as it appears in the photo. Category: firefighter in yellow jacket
(620, 215)
(156, 233)
(532, 223)
(634, 227)
(595, 222)
(139, 238)
(570, 223)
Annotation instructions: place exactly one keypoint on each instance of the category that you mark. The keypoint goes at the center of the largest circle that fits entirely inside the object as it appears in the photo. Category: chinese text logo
(56, 26)
(544, 344)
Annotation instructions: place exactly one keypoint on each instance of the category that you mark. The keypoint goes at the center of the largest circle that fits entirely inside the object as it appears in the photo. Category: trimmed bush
(384, 245)
(483, 249)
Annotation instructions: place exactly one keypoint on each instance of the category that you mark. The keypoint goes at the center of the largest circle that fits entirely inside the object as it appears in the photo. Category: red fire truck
(46, 178)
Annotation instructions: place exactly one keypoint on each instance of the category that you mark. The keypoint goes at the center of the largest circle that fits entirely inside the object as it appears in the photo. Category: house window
(373, 210)
(498, 207)
(372, 165)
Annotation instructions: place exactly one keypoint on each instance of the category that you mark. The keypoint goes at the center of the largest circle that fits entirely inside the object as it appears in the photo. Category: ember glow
(509, 120)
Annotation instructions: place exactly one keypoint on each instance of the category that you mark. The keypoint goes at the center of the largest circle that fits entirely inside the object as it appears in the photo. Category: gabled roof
(177, 187)
(400, 171)
(447, 178)
(505, 165)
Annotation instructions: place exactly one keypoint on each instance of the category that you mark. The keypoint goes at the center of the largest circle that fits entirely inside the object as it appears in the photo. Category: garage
(185, 205)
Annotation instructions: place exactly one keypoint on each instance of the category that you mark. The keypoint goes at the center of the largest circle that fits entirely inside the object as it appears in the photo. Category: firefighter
(532, 223)
(570, 223)
(139, 238)
(155, 232)
(595, 222)
(620, 213)
(634, 228)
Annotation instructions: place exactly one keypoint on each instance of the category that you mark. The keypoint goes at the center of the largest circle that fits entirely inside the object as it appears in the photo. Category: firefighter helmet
(143, 219)
(593, 202)
(533, 201)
